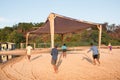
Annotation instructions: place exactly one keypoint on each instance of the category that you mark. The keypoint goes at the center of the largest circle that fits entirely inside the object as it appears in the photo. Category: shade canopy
(63, 25)
(57, 24)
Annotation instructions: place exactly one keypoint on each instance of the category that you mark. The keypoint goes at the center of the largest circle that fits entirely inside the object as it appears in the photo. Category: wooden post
(51, 20)
(100, 35)
(21, 45)
(62, 35)
(34, 45)
(27, 35)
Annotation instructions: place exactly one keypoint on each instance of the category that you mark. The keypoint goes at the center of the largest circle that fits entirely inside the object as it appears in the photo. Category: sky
(99, 11)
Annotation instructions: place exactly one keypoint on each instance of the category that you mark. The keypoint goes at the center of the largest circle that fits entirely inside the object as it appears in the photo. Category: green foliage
(114, 42)
(105, 38)
(16, 37)
(58, 38)
(4, 33)
(17, 33)
(88, 36)
(94, 36)
(38, 24)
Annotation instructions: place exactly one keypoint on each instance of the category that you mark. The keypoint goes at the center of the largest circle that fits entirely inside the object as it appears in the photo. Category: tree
(4, 33)
(16, 37)
(105, 38)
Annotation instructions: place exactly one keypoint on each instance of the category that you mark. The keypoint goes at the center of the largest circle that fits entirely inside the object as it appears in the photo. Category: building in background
(5, 46)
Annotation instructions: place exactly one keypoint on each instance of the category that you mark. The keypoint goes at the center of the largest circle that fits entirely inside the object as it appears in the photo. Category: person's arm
(31, 48)
(52, 52)
(89, 50)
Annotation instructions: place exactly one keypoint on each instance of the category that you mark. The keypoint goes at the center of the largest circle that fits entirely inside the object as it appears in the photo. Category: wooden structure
(57, 24)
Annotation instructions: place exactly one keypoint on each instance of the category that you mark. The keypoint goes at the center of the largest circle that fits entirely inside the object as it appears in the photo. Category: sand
(76, 66)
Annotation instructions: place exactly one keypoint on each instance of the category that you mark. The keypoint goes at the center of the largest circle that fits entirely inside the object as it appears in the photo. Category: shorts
(110, 48)
(53, 62)
(96, 56)
(64, 50)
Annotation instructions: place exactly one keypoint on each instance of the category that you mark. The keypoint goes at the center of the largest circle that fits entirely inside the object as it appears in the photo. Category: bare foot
(94, 63)
(56, 71)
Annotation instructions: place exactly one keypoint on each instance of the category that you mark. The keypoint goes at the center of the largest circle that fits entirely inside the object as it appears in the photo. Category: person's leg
(98, 61)
(64, 55)
(29, 57)
(53, 62)
(94, 60)
(55, 68)
(97, 58)
(110, 50)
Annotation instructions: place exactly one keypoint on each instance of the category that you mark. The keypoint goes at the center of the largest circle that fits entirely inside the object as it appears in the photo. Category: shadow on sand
(59, 62)
(87, 59)
(36, 57)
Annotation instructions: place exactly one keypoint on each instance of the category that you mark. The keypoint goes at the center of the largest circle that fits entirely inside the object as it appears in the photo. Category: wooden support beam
(100, 36)
(51, 19)
(34, 45)
(21, 45)
(27, 38)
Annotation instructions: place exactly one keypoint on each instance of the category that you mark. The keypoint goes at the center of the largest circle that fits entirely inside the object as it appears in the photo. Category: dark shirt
(54, 53)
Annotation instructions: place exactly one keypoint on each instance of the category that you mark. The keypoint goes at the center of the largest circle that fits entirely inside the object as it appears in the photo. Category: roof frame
(53, 26)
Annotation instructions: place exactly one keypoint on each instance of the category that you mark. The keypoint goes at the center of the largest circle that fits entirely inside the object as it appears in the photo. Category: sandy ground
(76, 66)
